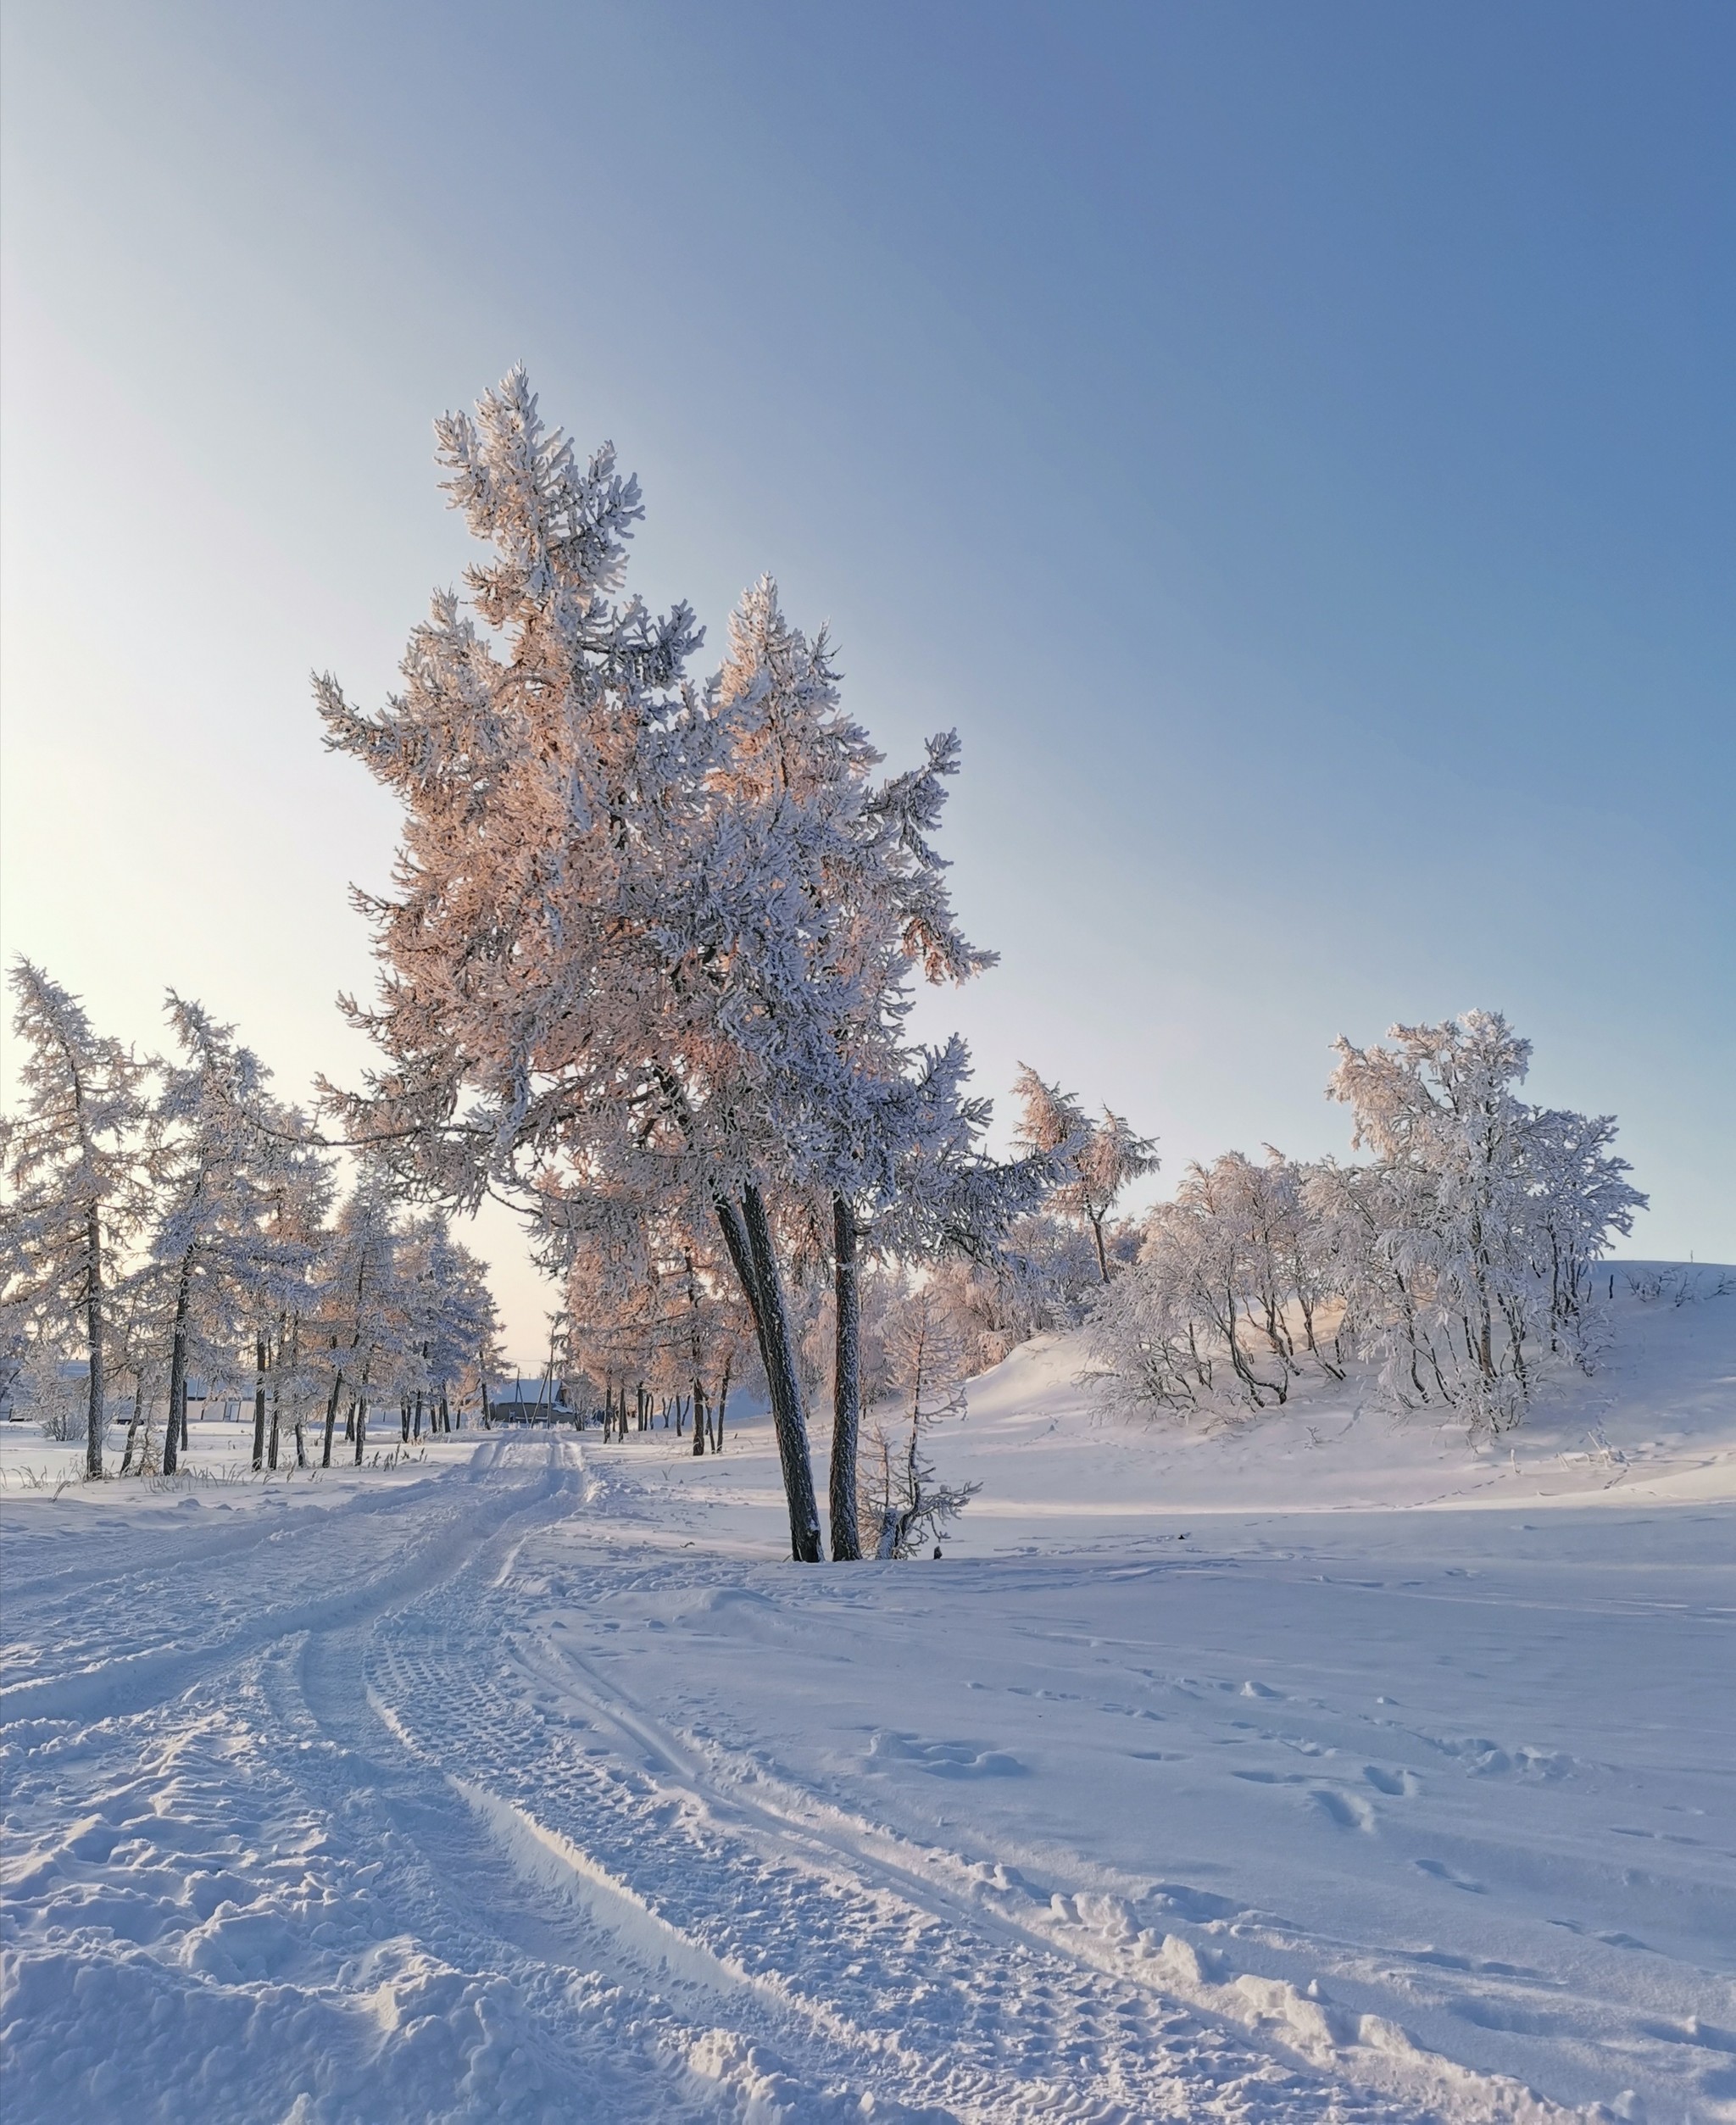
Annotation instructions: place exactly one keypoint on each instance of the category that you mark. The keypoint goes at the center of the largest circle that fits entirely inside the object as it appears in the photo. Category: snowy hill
(1656, 1419)
(1327, 1768)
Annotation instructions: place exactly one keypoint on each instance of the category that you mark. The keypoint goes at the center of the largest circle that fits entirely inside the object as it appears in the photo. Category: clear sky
(1293, 444)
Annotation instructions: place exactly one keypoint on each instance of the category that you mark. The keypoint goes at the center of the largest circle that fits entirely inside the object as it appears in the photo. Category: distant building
(541, 1401)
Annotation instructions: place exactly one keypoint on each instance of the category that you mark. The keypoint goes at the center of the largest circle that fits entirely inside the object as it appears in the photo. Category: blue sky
(1292, 444)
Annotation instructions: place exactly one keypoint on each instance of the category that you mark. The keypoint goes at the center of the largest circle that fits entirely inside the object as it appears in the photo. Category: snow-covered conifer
(236, 1207)
(363, 1320)
(75, 1183)
(658, 938)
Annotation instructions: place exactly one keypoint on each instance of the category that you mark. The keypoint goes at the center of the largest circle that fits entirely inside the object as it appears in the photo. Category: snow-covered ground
(1327, 1769)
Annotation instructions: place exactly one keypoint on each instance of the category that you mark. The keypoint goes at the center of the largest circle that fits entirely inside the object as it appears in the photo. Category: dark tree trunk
(787, 1419)
(361, 1426)
(132, 1429)
(699, 1416)
(259, 1402)
(1102, 1255)
(172, 1439)
(93, 1340)
(846, 1384)
(331, 1417)
(722, 1405)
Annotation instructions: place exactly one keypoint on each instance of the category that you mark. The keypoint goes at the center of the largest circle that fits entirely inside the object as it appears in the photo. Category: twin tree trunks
(747, 1235)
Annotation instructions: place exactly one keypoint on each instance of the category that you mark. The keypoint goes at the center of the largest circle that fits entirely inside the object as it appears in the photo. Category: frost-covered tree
(1581, 1203)
(1199, 1313)
(1439, 1108)
(279, 1280)
(138, 1336)
(649, 938)
(653, 1305)
(1454, 1260)
(450, 1320)
(903, 1500)
(75, 1180)
(1099, 1159)
(819, 898)
(1493, 1210)
(238, 1202)
(363, 1320)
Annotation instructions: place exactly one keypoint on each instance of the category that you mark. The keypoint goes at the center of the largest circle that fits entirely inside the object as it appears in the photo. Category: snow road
(375, 1845)
(532, 1788)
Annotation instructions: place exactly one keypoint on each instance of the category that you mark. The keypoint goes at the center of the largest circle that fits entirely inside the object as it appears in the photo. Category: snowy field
(1326, 1769)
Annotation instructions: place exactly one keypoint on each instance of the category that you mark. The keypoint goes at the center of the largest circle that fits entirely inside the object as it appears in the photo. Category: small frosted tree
(362, 1319)
(450, 1315)
(904, 1501)
(652, 1302)
(1199, 1313)
(1099, 1159)
(208, 1203)
(75, 1180)
(277, 1281)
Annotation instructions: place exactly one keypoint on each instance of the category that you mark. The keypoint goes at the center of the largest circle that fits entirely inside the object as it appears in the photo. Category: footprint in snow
(1397, 1785)
(943, 1759)
(1347, 1810)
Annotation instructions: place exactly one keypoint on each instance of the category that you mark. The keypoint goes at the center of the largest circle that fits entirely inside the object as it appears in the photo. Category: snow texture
(1328, 1767)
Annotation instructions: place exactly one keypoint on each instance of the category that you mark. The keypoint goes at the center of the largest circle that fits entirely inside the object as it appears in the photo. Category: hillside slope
(1056, 1452)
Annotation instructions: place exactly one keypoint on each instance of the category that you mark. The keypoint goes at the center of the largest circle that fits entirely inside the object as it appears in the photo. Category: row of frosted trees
(167, 1221)
(1455, 1261)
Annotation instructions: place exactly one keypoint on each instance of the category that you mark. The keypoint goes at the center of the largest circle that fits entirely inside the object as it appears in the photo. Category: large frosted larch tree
(647, 937)
(73, 1180)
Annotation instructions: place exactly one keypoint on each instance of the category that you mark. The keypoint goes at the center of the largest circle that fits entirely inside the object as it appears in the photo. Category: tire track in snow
(507, 1897)
(429, 1519)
